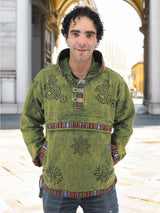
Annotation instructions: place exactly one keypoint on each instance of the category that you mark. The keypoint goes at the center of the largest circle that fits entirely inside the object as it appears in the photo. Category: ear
(66, 39)
(97, 43)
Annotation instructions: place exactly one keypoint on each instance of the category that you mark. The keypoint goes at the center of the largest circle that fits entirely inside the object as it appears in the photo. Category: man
(88, 112)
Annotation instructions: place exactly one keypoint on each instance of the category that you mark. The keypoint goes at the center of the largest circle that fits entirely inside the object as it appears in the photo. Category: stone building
(138, 77)
(28, 38)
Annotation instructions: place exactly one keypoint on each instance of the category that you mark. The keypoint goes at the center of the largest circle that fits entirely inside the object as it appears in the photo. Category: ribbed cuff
(114, 153)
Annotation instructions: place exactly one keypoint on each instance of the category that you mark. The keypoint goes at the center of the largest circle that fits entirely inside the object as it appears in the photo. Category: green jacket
(84, 119)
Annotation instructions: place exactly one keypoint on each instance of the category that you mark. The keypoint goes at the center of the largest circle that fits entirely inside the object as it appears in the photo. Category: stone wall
(7, 51)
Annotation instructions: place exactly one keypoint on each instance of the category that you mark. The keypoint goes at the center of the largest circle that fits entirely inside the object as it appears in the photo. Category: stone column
(145, 30)
(154, 57)
(23, 51)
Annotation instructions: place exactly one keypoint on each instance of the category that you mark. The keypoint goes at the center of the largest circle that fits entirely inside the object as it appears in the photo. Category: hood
(96, 68)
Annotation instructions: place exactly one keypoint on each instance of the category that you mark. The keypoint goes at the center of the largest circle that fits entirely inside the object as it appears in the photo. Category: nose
(82, 40)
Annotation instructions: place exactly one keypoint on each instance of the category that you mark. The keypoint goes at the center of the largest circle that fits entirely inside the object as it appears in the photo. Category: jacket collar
(96, 68)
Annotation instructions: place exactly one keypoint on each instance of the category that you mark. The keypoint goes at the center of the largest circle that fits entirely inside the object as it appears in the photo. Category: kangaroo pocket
(78, 160)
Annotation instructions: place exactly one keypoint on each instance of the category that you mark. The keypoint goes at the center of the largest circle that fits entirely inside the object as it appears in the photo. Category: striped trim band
(79, 98)
(80, 125)
(114, 152)
(79, 194)
(43, 150)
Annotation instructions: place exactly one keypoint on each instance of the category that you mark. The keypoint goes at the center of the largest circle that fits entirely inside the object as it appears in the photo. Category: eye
(74, 34)
(90, 35)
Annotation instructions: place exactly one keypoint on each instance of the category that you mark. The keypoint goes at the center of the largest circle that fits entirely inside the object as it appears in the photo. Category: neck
(80, 69)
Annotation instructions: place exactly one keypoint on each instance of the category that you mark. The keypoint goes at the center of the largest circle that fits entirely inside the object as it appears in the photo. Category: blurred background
(30, 40)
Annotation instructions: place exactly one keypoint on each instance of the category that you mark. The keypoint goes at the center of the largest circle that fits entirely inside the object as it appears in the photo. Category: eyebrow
(78, 31)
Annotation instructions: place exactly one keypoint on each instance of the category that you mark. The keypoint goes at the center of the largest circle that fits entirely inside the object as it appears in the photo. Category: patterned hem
(79, 194)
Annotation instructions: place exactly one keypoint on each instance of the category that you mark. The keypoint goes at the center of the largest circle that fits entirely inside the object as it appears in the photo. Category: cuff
(39, 159)
(37, 162)
(114, 153)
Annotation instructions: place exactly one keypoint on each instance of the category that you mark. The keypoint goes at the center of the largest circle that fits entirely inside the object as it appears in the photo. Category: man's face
(82, 39)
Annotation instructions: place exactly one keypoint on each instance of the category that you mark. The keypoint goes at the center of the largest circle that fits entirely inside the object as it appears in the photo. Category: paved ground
(138, 173)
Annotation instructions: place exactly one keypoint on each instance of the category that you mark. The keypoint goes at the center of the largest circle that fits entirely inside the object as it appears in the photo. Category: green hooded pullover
(83, 120)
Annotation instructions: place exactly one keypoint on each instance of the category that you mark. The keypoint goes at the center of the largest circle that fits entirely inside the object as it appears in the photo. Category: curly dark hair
(82, 12)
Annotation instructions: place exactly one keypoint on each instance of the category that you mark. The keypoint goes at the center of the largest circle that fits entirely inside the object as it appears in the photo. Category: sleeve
(123, 122)
(32, 121)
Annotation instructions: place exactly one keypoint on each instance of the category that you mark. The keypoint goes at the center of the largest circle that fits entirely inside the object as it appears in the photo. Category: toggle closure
(74, 99)
(71, 80)
(78, 90)
(80, 100)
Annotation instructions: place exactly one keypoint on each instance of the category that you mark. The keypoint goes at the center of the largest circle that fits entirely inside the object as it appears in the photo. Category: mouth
(81, 50)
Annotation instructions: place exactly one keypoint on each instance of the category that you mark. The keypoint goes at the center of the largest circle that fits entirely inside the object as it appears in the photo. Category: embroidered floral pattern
(54, 174)
(104, 94)
(53, 91)
(102, 173)
(81, 146)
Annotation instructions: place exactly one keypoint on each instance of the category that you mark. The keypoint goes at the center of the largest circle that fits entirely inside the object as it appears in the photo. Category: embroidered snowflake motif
(53, 91)
(102, 173)
(54, 174)
(104, 95)
(81, 146)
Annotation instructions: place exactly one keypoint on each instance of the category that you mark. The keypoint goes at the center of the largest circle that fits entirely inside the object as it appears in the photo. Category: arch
(63, 8)
(137, 5)
(59, 7)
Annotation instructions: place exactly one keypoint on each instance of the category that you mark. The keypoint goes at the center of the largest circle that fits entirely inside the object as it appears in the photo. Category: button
(71, 80)
(74, 99)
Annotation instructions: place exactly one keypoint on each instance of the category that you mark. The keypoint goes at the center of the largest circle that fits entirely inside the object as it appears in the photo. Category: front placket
(79, 91)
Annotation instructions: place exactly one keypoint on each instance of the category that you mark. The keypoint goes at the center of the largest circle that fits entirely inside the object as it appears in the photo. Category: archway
(149, 13)
(122, 44)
